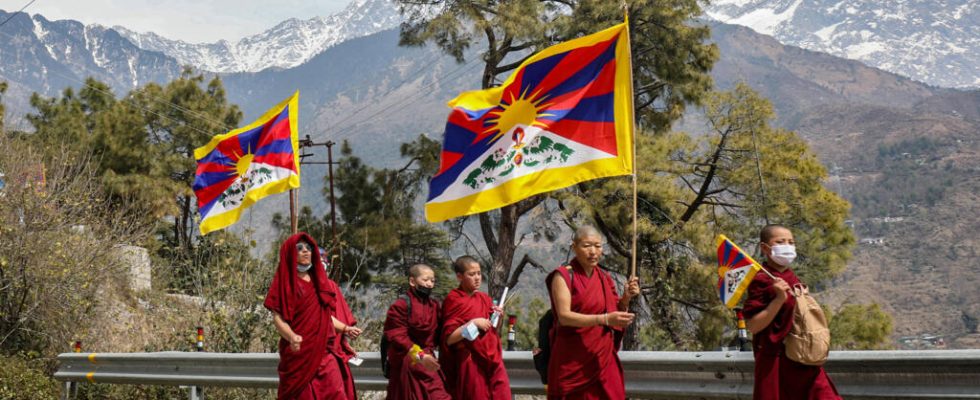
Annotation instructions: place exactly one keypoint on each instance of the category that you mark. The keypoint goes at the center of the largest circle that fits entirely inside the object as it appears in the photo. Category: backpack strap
(408, 305)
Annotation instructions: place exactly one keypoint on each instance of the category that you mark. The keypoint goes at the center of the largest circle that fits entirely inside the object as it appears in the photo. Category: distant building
(878, 241)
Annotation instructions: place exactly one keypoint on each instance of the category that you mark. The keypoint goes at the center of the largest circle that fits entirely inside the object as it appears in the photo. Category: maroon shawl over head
(307, 308)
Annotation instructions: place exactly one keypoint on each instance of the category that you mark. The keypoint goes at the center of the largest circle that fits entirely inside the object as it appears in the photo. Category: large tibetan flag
(238, 168)
(564, 116)
(735, 271)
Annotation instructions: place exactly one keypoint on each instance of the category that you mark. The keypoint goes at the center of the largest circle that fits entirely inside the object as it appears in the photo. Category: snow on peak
(288, 44)
(933, 41)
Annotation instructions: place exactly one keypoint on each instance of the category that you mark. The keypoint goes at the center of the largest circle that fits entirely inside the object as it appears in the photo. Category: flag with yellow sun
(238, 168)
(564, 116)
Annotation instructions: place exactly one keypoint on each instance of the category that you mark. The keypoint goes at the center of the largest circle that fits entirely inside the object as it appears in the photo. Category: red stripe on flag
(213, 167)
(599, 135)
(231, 148)
(448, 160)
(274, 131)
(206, 194)
(281, 160)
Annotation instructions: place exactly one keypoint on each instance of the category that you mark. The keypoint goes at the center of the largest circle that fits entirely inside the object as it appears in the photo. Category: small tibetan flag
(735, 271)
(564, 116)
(238, 168)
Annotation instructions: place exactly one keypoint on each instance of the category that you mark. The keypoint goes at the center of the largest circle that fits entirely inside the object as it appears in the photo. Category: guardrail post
(196, 393)
(71, 388)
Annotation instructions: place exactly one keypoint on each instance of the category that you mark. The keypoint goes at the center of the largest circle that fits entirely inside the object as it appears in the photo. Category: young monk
(589, 322)
(302, 304)
(344, 324)
(413, 369)
(474, 368)
(769, 312)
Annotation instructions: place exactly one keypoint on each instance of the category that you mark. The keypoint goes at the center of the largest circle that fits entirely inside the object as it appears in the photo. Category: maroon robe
(776, 376)
(585, 362)
(307, 308)
(474, 369)
(407, 381)
(338, 345)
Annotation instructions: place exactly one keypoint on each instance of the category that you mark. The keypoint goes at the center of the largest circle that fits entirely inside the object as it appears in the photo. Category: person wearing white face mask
(768, 310)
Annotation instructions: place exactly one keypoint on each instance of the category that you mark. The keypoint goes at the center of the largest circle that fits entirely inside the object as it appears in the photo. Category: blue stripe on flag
(209, 178)
(276, 146)
(595, 109)
(536, 72)
(457, 138)
(586, 75)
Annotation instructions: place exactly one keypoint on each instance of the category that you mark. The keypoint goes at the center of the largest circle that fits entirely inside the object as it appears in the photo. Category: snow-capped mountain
(288, 44)
(933, 41)
(47, 56)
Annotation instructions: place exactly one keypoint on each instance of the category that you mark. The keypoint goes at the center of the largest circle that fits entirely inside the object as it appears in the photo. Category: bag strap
(408, 305)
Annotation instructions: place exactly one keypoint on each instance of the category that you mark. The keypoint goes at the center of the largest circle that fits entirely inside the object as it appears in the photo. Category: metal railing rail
(935, 374)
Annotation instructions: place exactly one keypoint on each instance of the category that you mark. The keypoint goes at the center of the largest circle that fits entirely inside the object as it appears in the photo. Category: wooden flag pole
(629, 48)
(293, 222)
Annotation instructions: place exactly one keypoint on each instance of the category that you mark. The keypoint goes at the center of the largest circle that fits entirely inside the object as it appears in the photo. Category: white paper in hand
(470, 331)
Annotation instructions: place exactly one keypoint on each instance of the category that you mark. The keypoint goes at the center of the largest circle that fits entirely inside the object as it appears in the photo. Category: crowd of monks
(451, 350)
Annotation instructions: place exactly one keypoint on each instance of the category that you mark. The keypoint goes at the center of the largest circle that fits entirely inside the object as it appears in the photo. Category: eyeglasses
(300, 247)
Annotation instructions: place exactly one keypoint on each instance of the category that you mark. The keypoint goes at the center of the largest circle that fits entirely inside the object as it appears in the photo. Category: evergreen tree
(733, 179)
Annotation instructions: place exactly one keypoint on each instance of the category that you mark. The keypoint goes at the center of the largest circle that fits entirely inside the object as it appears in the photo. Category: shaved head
(586, 231)
(416, 270)
(769, 231)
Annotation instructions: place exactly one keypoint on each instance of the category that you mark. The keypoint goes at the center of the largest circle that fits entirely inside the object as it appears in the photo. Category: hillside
(904, 153)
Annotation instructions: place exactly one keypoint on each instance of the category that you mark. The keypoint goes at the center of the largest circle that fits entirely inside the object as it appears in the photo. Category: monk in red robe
(414, 372)
(474, 368)
(344, 323)
(302, 305)
(769, 316)
(589, 321)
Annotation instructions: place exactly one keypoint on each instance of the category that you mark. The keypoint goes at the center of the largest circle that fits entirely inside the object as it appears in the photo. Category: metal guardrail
(936, 374)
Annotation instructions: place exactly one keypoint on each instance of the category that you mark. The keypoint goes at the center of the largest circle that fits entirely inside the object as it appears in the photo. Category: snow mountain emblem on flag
(542, 152)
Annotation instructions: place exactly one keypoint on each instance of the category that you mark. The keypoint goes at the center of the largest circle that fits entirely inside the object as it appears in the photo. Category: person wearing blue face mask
(768, 310)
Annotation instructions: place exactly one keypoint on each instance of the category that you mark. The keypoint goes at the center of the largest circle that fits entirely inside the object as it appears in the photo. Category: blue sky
(193, 21)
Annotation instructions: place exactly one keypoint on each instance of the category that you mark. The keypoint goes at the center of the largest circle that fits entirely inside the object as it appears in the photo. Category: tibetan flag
(735, 271)
(564, 116)
(237, 169)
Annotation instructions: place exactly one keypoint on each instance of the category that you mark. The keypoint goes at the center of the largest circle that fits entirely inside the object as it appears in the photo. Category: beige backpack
(808, 341)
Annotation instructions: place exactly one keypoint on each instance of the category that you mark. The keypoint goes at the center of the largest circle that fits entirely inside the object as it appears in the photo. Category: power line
(468, 66)
(15, 13)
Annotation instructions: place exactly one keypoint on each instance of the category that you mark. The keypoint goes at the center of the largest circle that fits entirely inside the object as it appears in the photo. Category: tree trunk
(503, 257)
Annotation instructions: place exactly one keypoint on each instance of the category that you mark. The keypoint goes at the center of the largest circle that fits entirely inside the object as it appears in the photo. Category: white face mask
(783, 254)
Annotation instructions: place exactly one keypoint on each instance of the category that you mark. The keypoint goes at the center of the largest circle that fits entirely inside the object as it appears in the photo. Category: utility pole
(306, 142)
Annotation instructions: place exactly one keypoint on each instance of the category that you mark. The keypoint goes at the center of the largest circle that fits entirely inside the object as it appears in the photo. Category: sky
(193, 21)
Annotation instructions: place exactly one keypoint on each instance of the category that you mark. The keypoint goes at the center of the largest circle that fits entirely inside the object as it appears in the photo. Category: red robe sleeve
(760, 294)
(396, 327)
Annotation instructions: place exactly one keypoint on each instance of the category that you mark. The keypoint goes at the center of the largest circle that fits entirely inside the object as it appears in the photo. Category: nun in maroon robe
(338, 345)
(584, 361)
(776, 376)
(408, 378)
(588, 324)
(474, 369)
(306, 307)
